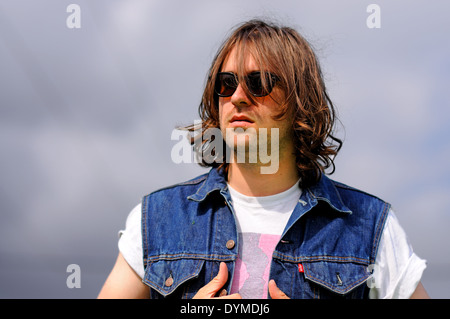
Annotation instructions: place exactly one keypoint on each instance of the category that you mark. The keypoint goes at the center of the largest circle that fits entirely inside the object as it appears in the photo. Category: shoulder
(368, 213)
(346, 189)
(356, 199)
(348, 199)
(185, 186)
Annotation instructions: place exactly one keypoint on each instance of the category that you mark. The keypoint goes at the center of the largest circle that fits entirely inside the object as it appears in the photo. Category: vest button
(230, 244)
(169, 281)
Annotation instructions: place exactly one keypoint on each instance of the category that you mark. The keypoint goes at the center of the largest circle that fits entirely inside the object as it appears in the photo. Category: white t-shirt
(261, 221)
(260, 224)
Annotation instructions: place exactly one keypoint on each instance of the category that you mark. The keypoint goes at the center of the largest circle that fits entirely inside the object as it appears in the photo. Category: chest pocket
(173, 277)
(336, 279)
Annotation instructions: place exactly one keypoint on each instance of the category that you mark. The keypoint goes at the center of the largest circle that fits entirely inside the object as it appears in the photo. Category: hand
(210, 289)
(275, 292)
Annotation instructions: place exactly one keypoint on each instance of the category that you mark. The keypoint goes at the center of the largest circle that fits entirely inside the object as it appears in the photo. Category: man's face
(238, 111)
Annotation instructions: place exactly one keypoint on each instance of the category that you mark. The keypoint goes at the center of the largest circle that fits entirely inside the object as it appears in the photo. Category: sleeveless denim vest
(333, 232)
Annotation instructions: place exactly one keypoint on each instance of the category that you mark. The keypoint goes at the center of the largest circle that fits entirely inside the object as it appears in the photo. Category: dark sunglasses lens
(256, 86)
(226, 84)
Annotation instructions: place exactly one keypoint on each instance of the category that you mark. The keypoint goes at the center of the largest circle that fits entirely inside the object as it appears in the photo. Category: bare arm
(123, 283)
(420, 293)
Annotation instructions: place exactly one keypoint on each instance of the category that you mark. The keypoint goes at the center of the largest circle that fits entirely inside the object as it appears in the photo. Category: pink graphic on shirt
(239, 276)
(267, 243)
(252, 268)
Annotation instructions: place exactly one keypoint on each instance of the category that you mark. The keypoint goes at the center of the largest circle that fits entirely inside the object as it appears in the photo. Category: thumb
(211, 289)
(275, 292)
(221, 278)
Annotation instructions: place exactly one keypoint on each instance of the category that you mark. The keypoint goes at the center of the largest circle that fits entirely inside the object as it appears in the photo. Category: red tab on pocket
(300, 268)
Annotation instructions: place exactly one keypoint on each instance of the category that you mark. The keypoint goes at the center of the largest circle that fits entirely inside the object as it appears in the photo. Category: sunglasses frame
(272, 79)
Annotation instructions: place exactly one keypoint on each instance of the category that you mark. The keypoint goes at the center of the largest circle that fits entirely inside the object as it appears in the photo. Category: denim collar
(325, 190)
(215, 181)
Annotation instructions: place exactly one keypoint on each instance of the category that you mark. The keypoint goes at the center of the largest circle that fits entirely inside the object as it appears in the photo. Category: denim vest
(333, 232)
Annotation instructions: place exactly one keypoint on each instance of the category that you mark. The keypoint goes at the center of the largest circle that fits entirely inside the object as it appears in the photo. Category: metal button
(169, 281)
(223, 293)
(230, 244)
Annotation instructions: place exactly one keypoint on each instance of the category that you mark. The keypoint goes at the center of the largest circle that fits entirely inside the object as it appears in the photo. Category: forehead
(238, 61)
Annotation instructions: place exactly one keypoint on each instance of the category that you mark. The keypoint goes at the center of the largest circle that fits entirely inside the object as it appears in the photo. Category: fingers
(216, 284)
(233, 296)
(275, 292)
(221, 278)
(211, 289)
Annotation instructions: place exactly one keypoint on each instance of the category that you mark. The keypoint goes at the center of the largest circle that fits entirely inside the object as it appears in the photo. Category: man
(240, 232)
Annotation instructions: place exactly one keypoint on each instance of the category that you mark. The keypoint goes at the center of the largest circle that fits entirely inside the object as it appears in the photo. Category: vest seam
(144, 212)
(172, 257)
(378, 232)
(324, 258)
(194, 181)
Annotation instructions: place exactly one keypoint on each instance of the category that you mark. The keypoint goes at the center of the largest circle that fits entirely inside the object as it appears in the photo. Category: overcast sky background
(86, 117)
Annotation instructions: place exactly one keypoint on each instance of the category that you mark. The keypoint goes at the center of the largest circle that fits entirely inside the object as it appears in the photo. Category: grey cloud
(86, 118)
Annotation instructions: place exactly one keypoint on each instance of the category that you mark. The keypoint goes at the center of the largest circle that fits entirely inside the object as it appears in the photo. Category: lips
(241, 118)
(240, 121)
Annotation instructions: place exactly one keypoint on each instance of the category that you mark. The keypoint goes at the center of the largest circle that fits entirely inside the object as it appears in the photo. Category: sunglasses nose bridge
(242, 93)
(240, 97)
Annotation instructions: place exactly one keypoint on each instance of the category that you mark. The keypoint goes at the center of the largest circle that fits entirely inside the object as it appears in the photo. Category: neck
(247, 178)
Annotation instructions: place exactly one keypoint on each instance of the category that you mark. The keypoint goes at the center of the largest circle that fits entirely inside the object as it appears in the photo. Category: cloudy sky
(86, 117)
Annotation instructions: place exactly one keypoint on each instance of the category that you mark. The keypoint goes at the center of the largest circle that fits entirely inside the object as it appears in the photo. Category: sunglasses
(227, 83)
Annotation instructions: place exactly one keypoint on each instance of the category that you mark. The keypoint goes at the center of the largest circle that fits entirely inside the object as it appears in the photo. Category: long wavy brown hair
(283, 51)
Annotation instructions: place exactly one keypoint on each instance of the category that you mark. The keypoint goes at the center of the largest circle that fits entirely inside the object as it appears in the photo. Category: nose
(239, 97)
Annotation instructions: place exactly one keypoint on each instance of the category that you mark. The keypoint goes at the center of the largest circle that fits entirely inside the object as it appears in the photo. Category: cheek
(223, 109)
(220, 112)
(222, 115)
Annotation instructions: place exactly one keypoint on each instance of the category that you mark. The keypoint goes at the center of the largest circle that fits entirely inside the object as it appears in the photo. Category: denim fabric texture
(189, 228)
